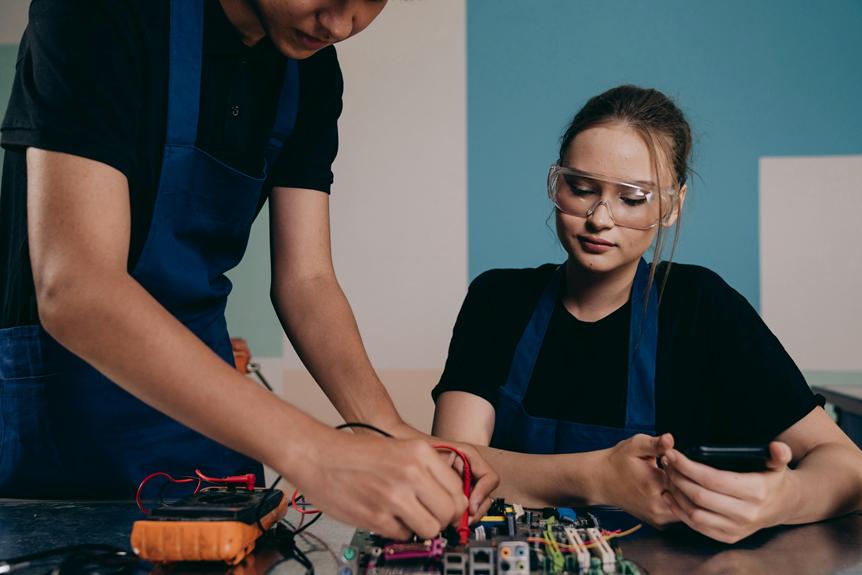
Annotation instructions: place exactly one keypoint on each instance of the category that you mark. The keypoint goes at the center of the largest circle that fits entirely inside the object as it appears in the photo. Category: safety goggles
(629, 205)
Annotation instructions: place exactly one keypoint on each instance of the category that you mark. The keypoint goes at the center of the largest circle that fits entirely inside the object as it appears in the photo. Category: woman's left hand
(725, 505)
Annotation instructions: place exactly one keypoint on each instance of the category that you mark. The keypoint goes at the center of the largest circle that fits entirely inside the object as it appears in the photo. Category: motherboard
(508, 540)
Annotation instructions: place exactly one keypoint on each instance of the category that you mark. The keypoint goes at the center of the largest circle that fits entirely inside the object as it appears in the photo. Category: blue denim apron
(517, 430)
(66, 430)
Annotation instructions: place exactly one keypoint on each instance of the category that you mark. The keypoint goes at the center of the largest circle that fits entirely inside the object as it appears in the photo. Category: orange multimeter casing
(217, 524)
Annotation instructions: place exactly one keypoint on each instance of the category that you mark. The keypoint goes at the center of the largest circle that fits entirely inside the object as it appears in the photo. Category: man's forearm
(318, 321)
(546, 480)
(110, 321)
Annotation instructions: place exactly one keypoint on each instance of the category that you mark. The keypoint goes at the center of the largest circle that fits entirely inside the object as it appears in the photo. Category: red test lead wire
(463, 528)
(169, 478)
(246, 480)
(293, 501)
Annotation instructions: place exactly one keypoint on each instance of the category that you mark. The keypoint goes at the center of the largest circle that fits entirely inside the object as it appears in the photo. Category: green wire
(552, 547)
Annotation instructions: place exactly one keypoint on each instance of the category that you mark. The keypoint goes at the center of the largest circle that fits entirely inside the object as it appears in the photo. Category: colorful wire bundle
(587, 544)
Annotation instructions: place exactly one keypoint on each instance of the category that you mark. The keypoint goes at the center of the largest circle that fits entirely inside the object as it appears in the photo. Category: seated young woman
(581, 376)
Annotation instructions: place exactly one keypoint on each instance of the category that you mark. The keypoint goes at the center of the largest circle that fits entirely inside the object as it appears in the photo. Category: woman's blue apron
(517, 430)
(66, 430)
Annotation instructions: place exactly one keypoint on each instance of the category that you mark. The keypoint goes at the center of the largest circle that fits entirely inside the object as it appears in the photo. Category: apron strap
(527, 351)
(643, 345)
(184, 72)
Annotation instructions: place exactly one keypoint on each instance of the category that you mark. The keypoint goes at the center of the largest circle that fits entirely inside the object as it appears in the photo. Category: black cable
(257, 511)
(262, 501)
(309, 524)
(254, 368)
(30, 557)
(100, 564)
(78, 559)
(351, 425)
(307, 537)
(285, 541)
(303, 560)
(305, 526)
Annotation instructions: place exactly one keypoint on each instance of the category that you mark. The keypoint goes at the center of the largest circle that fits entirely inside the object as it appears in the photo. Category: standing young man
(142, 138)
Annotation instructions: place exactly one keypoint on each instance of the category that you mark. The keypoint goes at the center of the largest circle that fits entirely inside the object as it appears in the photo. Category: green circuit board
(509, 540)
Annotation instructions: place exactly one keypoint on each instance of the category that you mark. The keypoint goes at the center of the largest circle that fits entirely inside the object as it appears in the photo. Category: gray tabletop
(847, 397)
(829, 547)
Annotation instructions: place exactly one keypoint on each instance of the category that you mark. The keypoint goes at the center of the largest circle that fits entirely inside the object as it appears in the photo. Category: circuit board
(509, 540)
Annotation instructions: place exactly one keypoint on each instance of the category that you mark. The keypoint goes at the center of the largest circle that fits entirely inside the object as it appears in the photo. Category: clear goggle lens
(630, 206)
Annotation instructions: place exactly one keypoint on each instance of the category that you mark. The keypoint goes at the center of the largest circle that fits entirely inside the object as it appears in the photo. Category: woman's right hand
(632, 480)
(393, 487)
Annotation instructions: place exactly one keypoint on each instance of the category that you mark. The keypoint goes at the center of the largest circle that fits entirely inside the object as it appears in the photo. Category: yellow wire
(627, 532)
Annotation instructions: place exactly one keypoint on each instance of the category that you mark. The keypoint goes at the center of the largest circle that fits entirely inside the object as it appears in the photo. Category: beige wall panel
(410, 390)
(13, 20)
(399, 202)
(811, 258)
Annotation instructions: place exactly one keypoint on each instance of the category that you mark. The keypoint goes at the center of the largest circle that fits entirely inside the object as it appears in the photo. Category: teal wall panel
(774, 77)
(249, 312)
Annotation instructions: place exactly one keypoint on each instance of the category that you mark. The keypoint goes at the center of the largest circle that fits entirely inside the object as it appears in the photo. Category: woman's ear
(677, 208)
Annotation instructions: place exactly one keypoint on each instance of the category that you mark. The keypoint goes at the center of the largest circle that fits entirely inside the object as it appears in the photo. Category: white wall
(811, 258)
(399, 202)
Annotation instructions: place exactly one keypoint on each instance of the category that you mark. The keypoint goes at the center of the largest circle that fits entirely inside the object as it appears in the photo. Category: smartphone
(740, 458)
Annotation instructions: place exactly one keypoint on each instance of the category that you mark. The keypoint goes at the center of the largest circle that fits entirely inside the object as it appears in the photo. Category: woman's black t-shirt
(721, 375)
(91, 80)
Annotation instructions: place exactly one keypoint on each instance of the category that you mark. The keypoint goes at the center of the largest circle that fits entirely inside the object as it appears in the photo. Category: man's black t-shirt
(91, 80)
(721, 375)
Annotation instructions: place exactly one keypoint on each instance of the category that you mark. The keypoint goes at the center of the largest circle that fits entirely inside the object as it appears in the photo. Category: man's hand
(485, 479)
(724, 505)
(393, 487)
(633, 481)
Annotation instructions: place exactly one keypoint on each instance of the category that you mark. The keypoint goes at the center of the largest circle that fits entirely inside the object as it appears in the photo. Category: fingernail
(664, 461)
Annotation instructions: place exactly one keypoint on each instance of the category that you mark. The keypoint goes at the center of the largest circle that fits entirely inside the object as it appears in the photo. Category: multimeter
(215, 524)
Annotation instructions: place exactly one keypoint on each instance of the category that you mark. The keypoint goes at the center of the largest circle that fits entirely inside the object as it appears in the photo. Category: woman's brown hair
(663, 128)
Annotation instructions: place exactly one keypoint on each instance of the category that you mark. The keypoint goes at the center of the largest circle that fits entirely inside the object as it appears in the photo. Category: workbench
(829, 547)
